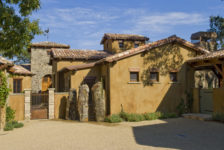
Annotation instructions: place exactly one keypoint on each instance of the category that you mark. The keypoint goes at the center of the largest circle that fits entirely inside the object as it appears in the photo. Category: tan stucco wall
(78, 77)
(113, 45)
(196, 100)
(218, 100)
(60, 100)
(26, 81)
(142, 97)
(16, 102)
(58, 65)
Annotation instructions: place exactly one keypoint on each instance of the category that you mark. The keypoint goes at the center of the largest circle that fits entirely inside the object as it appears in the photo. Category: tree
(217, 25)
(16, 28)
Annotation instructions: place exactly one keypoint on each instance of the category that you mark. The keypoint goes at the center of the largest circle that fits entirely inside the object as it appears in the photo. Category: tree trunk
(2, 117)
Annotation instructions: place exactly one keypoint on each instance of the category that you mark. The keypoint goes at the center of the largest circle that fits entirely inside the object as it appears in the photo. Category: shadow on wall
(164, 60)
(181, 134)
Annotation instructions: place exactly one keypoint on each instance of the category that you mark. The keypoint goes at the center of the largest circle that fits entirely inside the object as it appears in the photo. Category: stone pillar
(99, 101)
(27, 104)
(82, 103)
(71, 105)
(51, 103)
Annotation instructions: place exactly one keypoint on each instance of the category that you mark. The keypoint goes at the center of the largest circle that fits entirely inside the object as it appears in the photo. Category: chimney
(206, 40)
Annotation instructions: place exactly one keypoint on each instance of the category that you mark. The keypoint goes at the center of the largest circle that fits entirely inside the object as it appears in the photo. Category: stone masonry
(27, 104)
(99, 101)
(40, 67)
(51, 103)
(82, 103)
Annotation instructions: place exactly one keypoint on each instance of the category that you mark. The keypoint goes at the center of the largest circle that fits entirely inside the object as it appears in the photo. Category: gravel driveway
(158, 134)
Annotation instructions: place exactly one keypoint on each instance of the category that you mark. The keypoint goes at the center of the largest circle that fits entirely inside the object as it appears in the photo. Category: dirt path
(158, 134)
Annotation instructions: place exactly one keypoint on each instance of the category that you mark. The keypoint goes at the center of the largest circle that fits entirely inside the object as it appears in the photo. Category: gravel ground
(178, 133)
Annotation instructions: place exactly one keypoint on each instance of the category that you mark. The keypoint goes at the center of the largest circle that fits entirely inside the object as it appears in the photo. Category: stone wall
(40, 67)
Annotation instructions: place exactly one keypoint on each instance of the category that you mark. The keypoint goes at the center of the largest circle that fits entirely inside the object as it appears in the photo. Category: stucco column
(27, 103)
(51, 103)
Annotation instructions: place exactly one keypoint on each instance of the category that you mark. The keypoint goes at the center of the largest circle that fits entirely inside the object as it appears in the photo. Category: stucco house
(19, 79)
(141, 78)
(138, 76)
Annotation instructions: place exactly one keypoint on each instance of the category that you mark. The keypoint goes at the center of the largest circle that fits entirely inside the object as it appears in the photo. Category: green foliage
(10, 114)
(8, 126)
(4, 90)
(113, 118)
(168, 115)
(218, 117)
(16, 28)
(12, 124)
(217, 25)
(152, 116)
(132, 117)
(181, 107)
(18, 125)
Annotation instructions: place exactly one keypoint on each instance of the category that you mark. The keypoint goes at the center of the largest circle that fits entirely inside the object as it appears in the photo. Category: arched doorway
(46, 83)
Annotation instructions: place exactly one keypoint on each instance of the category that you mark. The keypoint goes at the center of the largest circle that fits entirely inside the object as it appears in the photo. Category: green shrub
(12, 124)
(8, 126)
(10, 114)
(113, 118)
(132, 117)
(218, 117)
(181, 107)
(168, 115)
(152, 116)
(18, 125)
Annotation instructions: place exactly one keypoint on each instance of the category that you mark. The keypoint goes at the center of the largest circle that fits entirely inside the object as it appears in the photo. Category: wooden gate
(39, 106)
(206, 100)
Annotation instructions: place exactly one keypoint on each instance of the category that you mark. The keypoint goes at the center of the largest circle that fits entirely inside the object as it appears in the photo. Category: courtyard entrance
(39, 105)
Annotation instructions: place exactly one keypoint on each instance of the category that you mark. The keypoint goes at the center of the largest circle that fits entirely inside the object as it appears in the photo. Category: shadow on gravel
(184, 134)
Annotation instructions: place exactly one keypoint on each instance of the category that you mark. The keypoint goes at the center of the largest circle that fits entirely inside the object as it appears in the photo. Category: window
(121, 44)
(136, 45)
(134, 76)
(154, 76)
(17, 85)
(173, 76)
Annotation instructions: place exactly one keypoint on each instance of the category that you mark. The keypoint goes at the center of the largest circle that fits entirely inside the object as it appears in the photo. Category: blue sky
(82, 23)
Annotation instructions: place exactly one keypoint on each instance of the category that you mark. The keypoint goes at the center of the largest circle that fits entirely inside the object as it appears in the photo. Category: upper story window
(17, 85)
(173, 76)
(134, 76)
(121, 44)
(136, 45)
(154, 76)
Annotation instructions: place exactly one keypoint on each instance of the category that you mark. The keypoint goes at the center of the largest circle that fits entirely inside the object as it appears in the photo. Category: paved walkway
(185, 134)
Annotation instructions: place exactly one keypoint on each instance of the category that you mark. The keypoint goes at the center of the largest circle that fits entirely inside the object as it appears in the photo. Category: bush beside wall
(132, 117)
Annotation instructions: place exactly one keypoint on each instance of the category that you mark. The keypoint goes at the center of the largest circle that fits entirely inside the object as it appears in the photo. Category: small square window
(136, 45)
(173, 76)
(154, 76)
(17, 85)
(121, 44)
(134, 76)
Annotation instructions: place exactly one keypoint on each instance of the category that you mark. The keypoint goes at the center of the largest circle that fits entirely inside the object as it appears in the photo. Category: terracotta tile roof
(116, 36)
(49, 45)
(4, 61)
(78, 67)
(171, 39)
(78, 54)
(211, 55)
(19, 70)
